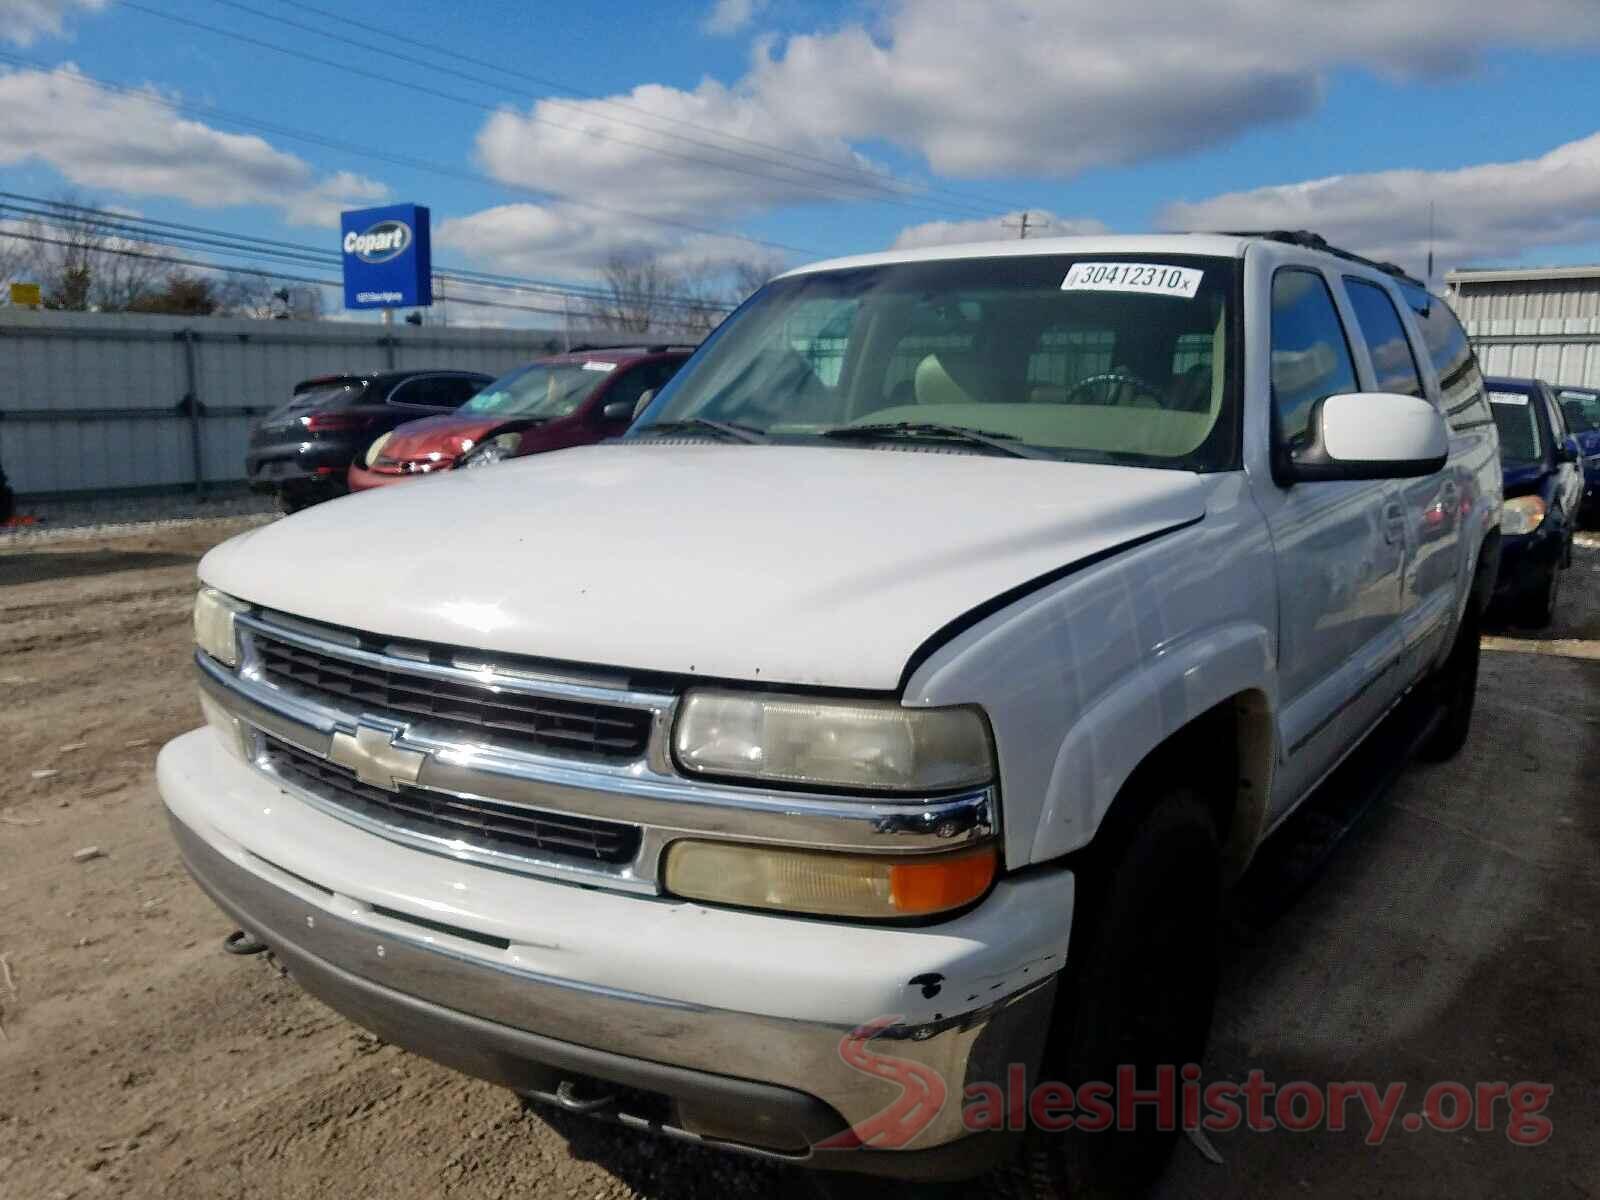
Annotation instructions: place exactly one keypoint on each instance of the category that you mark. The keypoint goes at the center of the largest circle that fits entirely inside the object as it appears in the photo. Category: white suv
(885, 710)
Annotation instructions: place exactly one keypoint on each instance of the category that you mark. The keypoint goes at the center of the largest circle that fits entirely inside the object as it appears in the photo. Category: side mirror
(1367, 435)
(644, 402)
(1569, 451)
(617, 410)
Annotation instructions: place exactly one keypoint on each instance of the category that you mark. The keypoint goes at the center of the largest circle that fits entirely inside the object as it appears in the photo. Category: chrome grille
(477, 824)
(509, 719)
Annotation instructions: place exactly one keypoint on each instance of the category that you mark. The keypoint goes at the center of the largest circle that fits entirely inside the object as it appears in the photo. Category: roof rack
(1315, 241)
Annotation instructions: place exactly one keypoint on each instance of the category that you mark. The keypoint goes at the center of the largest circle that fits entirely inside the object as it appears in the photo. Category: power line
(244, 121)
(200, 265)
(557, 85)
(348, 68)
(248, 245)
(844, 173)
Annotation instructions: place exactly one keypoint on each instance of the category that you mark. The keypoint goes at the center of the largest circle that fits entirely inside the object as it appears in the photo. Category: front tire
(1538, 609)
(1139, 988)
(1457, 685)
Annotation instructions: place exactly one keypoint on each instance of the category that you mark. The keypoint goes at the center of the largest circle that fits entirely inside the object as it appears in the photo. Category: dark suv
(303, 450)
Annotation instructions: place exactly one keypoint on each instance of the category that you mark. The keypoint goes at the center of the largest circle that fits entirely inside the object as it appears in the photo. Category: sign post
(388, 257)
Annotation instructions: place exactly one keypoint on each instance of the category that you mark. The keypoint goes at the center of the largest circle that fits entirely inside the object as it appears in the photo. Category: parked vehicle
(1581, 407)
(567, 400)
(1543, 490)
(302, 451)
(889, 706)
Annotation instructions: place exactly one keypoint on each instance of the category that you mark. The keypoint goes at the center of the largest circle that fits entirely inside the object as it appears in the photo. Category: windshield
(1098, 358)
(539, 391)
(1582, 409)
(1519, 427)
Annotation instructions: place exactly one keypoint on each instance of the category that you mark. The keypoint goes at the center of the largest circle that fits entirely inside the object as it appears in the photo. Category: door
(1339, 547)
(1431, 576)
(1568, 458)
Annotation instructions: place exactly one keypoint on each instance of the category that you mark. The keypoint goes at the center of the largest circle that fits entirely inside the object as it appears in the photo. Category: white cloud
(1059, 86)
(728, 17)
(133, 143)
(1483, 212)
(944, 233)
(571, 240)
(23, 22)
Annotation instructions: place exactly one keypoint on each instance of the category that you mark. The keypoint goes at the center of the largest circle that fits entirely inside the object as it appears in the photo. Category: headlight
(1522, 515)
(496, 449)
(875, 744)
(835, 885)
(213, 625)
(376, 449)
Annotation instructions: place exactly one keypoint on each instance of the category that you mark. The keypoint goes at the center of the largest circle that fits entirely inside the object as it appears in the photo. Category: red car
(567, 400)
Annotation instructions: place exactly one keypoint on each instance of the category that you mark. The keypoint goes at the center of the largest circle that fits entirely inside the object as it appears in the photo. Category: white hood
(788, 564)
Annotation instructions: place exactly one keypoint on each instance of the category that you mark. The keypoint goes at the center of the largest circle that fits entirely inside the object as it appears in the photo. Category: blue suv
(1581, 407)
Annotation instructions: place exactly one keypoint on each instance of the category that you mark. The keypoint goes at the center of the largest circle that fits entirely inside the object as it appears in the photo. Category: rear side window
(432, 391)
(1310, 355)
(1392, 360)
(1460, 382)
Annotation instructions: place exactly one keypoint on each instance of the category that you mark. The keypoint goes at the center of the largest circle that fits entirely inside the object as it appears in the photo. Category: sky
(547, 139)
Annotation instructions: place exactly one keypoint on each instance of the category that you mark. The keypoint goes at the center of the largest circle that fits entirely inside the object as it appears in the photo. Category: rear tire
(1139, 989)
(1457, 685)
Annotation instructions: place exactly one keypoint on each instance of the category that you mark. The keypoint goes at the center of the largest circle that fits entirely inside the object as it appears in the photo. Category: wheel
(1457, 684)
(1538, 608)
(1139, 989)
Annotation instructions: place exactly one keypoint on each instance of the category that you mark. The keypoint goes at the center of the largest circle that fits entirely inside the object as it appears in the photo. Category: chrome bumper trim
(286, 910)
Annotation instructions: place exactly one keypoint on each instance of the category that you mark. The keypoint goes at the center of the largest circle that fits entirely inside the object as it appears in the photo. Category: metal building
(1542, 322)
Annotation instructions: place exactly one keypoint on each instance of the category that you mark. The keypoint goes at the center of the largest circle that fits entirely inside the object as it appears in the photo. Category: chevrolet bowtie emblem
(374, 757)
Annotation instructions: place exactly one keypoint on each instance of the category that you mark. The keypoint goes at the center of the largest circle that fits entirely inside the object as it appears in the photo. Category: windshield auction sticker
(1516, 398)
(1152, 278)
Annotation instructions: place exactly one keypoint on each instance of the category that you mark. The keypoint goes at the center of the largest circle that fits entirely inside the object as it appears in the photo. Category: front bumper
(360, 479)
(532, 983)
(1526, 560)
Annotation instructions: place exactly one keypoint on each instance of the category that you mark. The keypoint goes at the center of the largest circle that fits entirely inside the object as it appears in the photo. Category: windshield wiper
(739, 433)
(1005, 443)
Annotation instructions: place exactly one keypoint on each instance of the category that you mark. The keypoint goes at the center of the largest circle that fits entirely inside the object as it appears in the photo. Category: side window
(429, 390)
(461, 388)
(1466, 404)
(635, 382)
(1392, 359)
(1310, 355)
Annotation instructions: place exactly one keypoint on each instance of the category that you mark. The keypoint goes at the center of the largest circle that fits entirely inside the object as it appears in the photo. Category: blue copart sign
(387, 257)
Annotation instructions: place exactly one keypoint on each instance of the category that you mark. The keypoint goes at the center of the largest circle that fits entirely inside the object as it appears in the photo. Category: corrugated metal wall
(92, 401)
(1545, 328)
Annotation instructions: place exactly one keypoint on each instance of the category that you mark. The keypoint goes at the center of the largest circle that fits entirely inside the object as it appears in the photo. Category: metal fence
(96, 402)
(1543, 324)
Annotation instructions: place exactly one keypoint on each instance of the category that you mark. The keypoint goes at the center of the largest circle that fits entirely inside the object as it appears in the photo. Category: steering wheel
(1110, 380)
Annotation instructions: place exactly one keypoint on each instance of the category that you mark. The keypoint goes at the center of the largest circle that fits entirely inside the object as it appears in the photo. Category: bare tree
(642, 293)
(241, 294)
(81, 262)
(748, 274)
(635, 288)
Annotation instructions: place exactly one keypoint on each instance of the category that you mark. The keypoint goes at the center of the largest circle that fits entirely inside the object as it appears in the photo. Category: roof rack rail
(1315, 241)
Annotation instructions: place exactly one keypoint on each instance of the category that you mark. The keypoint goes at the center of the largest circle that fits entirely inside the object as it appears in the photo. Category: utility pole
(1023, 223)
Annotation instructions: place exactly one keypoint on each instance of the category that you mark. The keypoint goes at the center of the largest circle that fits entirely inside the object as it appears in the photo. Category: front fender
(1108, 741)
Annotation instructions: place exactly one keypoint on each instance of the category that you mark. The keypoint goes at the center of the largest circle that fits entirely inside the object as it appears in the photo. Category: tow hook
(240, 942)
(567, 1097)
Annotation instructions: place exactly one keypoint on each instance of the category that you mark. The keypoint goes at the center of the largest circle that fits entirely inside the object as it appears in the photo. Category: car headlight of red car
(491, 450)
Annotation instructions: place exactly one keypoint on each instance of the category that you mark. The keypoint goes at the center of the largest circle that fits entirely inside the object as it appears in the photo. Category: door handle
(1394, 523)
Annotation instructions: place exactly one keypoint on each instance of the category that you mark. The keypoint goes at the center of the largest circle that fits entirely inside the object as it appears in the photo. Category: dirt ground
(1450, 937)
